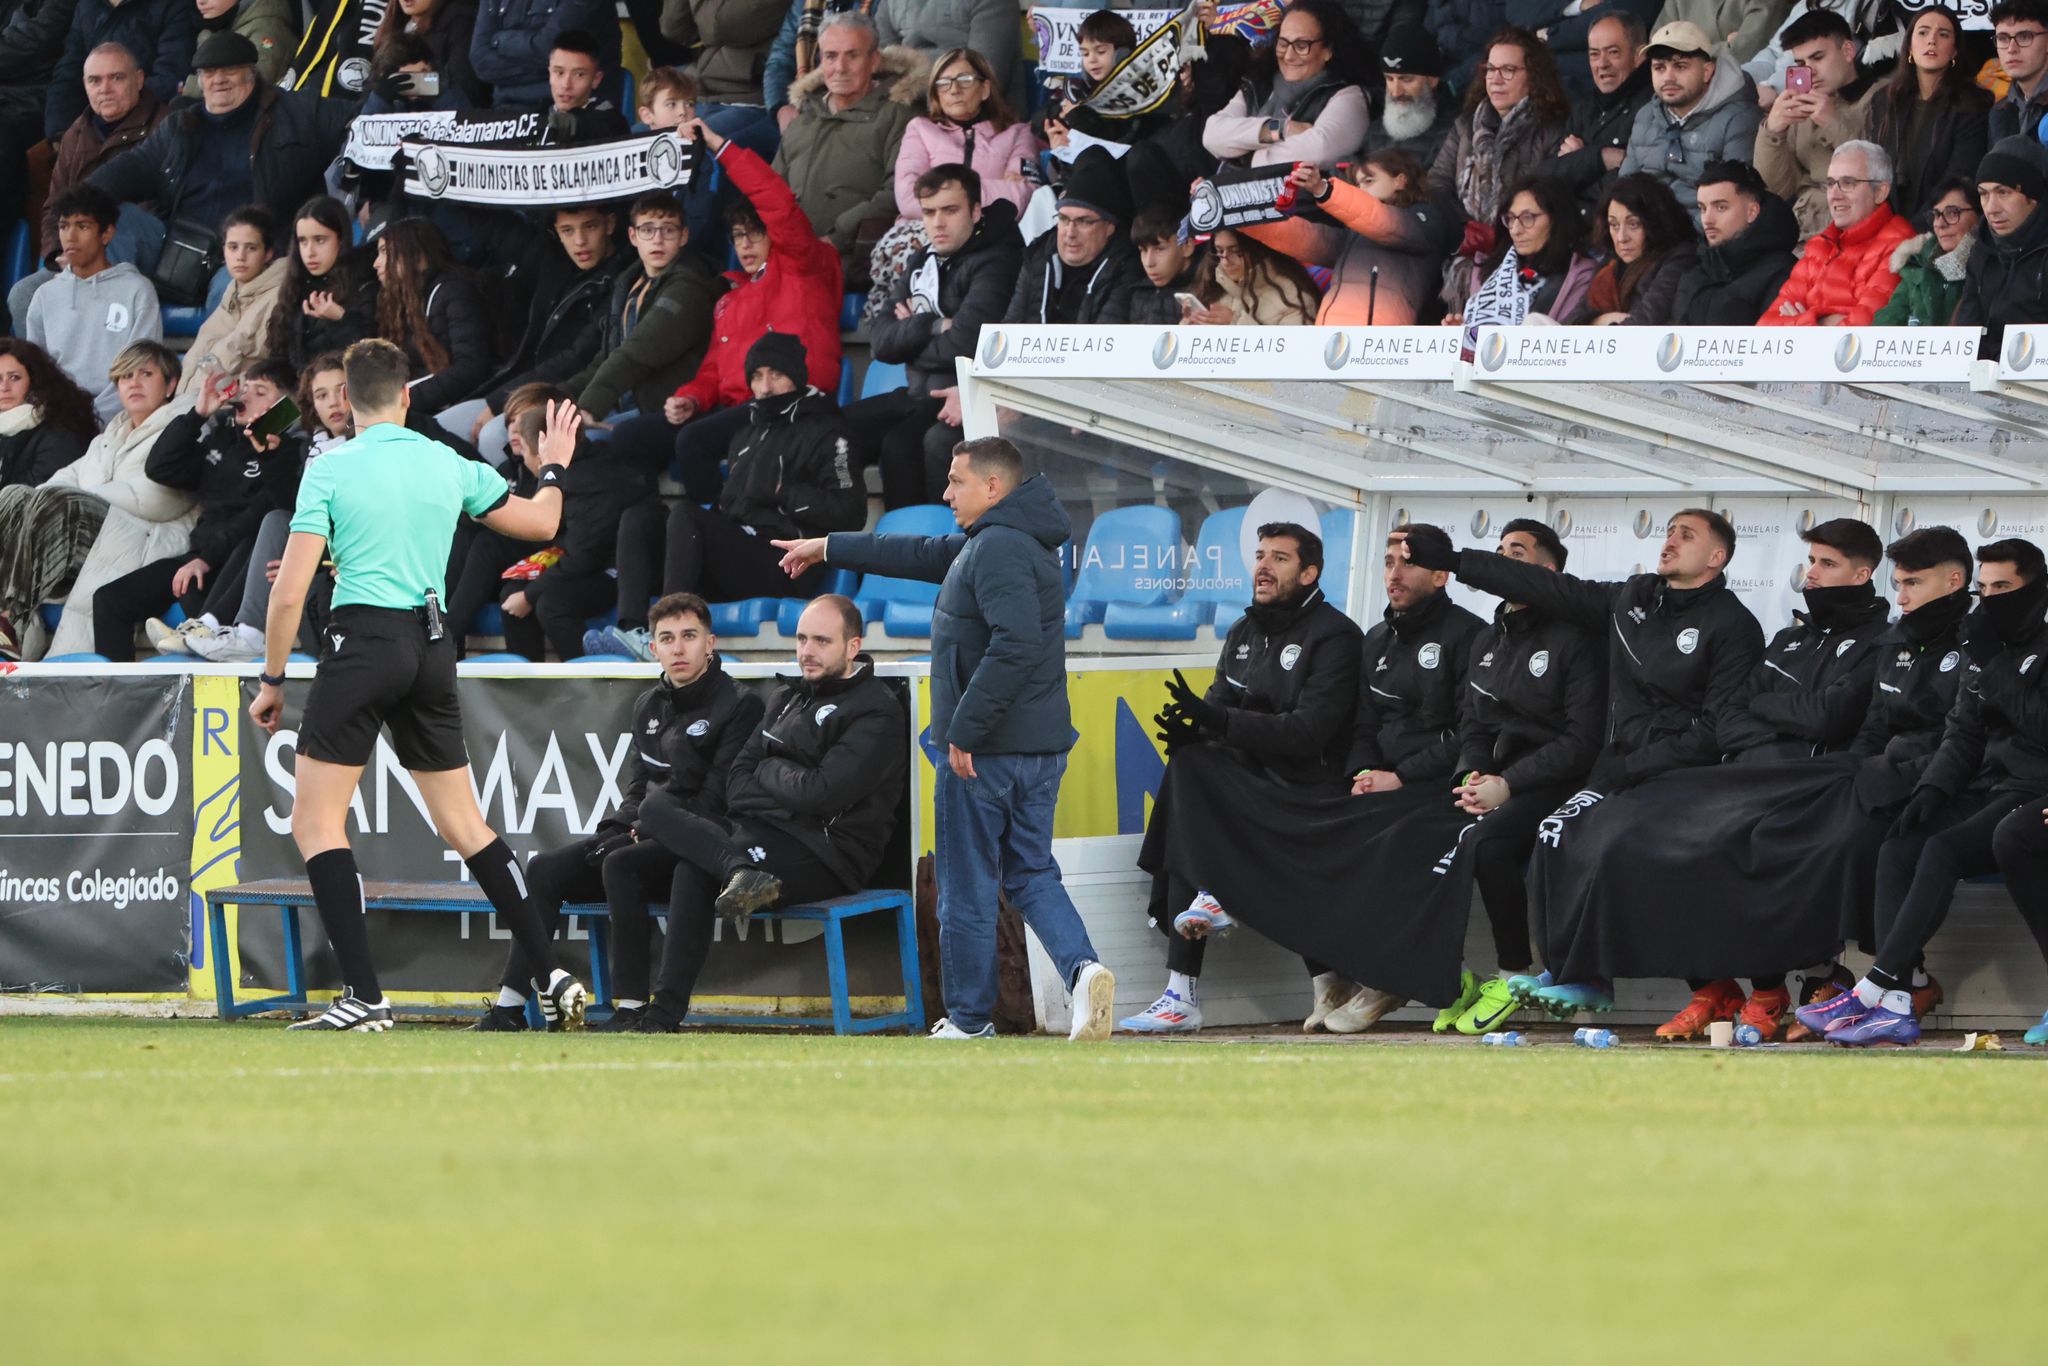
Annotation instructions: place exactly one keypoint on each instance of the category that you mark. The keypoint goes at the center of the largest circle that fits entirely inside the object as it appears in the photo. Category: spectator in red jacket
(789, 280)
(1846, 274)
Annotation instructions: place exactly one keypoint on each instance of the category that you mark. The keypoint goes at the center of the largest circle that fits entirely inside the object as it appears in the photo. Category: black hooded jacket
(2006, 281)
(1678, 659)
(1996, 739)
(973, 285)
(1049, 291)
(1734, 282)
(214, 461)
(999, 644)
(827, 764)
(1287, 679)
(685, 740)
(565, 321)
(1811, 693)
(1919, 672)
(791, 471)
(1410, 690)
(1536, 702)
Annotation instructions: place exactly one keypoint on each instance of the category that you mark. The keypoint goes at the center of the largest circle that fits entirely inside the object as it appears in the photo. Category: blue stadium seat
(627, 93)
(845, 391)
(1336, 580)
(850, 309)
(21, 254)
(882, 378)
(52, 613)
(175, 617)
(490, 621)
(1220, 589)
(185, 322)
(1133, 555)
(76, 657)
(497, 657)
(600, 659)
(743, 618)
(903, 607)
(844, 582)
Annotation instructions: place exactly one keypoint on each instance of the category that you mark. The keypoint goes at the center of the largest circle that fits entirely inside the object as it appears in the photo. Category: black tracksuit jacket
(1410, 686)
(1811, 693)
(685, 740)
(1536, 702)
(1288, 681)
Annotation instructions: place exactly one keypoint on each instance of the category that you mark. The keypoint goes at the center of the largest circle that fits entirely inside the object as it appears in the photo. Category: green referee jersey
(387, 502)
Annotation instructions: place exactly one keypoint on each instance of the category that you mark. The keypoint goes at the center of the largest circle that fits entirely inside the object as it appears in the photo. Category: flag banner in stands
(550, 758)
(1237, 195)
(2024, 355)
(1042, 351)
(1974, 13)
(1058, 30)
(95, 834)
(1747, 355)
(1147, 78)
(373, 138)
(539, 177)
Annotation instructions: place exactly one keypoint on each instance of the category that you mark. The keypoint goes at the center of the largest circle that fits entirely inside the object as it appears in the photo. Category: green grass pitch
(190, 1191)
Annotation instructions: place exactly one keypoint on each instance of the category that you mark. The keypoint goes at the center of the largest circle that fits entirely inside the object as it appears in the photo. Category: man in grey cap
(1705, 110)
(246, 141)
(1085, 269)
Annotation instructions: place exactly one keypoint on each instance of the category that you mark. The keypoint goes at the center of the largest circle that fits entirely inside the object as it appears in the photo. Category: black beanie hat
(782, 353)
(2019, 162)
(1410, 50)
(1096, 183)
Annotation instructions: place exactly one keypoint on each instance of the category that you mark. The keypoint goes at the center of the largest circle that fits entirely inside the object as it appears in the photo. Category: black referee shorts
(377, 668)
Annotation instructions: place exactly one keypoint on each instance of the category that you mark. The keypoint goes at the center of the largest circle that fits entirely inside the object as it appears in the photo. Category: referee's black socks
(496, 870)
(338, 894)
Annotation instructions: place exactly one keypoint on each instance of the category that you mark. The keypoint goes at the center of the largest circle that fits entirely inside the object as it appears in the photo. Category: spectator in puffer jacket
(1749, 235)
(1934, 266)
(2008, 276)
(839, 153)
(1387, 259)
(1705, 111)
(1846, 274)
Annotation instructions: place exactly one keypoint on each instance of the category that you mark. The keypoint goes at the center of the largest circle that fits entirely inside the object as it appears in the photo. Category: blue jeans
(995, 832)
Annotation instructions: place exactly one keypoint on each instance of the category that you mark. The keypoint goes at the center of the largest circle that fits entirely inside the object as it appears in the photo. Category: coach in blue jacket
(999, 703)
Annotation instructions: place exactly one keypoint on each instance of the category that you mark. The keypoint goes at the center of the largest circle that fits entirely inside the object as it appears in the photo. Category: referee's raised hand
(558, 438)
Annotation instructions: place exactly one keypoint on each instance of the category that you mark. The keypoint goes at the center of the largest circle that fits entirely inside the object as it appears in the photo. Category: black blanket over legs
(1732, 871)
(1368, 886)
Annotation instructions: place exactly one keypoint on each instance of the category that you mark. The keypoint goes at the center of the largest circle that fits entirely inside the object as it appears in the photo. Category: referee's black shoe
(563, 1003)
(747, 891)
(501, 1020)
(350, 1012)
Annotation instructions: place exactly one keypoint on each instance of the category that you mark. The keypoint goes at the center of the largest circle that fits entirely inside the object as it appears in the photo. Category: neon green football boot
(1468, 992)
(1495, 1004)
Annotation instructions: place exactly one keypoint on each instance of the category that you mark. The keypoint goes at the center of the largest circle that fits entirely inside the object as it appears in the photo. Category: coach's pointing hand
(800, 555)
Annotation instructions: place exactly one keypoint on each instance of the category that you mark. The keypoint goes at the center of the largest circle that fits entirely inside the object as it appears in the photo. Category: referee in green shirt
(384, 509)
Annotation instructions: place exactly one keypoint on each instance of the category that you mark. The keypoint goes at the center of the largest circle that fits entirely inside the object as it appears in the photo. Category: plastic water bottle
(1748, 1036)
(1511, 1038)
(1587, 1037)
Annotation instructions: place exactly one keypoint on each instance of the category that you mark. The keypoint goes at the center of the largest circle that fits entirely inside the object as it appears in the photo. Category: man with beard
(1281, 706)
(1536, 701)
(1991, 768)
(1809, 697)
(1681, 650)
(1419, 112)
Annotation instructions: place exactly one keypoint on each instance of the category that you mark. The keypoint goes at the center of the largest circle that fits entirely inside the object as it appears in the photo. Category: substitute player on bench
(384, 509)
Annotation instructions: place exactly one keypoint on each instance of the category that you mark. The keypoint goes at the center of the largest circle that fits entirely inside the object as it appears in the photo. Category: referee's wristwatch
(270, 680)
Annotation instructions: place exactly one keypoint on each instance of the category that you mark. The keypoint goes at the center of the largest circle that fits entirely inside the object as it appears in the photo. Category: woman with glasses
(1931, 115)
(1932, 266)
(1514, 120)
(967, 123)
(1303, 101)
(1537, 271)
(1649, 245)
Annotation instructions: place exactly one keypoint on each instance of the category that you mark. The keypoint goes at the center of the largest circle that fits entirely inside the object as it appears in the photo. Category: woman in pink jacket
(970, 125)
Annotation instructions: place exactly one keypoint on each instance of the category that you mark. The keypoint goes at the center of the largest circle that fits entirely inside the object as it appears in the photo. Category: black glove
(1197, 709)
(604, 844)
(392, 87)
(1432, 550)
(1981, 641)
(1175, 729)
(1920, 809)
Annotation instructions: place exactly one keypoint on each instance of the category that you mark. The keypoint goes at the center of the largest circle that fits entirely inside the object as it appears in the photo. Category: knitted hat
(2019, 162)
(1096, 183)
(1410, 50)
(782, 353)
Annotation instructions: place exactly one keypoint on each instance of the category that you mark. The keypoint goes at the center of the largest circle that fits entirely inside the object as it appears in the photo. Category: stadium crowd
(179, 168)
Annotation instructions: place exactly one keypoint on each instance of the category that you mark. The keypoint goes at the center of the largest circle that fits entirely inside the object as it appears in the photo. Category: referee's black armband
(552, 476)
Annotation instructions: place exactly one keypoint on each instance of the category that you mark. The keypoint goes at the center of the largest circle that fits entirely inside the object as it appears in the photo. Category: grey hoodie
(1722, 126)
(999, 645)
(84, 324)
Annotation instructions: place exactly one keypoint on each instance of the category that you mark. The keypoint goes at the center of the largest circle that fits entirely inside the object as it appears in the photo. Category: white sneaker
(1331, 991)
(1094, 1002)
(1364, 1010)
(1167, 1015)
(946, 1029)
(166, 639)
(1203, 917)
(232, 646)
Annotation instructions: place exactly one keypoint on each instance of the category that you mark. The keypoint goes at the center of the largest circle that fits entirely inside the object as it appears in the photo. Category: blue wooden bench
(288, 896)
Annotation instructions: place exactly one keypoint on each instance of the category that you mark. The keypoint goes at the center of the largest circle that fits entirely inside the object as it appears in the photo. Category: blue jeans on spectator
(995, 833)
(138, 241)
